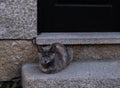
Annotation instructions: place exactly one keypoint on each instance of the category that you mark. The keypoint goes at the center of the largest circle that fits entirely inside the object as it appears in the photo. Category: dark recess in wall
(78, 16)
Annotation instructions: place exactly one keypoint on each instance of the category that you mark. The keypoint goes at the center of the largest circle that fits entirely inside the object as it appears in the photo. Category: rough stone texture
(104, 74)
(96, 52)
(13, 53)
(18, 19)
(79, 38)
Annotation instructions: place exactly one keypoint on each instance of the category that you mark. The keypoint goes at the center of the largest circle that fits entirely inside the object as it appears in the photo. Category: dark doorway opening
(78, 16)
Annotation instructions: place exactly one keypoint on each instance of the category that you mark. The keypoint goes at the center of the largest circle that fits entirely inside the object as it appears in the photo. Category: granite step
(79, 38)
(85, 45)
(89, 74)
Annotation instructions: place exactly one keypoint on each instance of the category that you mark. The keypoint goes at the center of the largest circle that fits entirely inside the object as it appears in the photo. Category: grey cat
(54, 58)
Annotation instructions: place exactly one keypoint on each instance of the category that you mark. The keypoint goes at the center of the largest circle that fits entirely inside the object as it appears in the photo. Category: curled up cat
(54, 58)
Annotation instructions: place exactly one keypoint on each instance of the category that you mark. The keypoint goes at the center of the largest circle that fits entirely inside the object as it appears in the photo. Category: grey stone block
(79, 38)
(13, 53)
(94, 74)
(18, 19)
(96, 52)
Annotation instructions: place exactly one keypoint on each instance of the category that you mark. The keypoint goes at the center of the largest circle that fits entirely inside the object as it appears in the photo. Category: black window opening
(96, 2)
(78, 16)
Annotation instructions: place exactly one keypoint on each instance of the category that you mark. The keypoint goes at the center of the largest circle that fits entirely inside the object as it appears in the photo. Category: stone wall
(96, 52)
(14, 53)
(18, 26)
(18, 19)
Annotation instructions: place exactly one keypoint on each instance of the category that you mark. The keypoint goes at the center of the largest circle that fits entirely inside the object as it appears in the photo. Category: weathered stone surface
(79, 38)
(104, 74)
(13, 54)
(18, 19)
(96, 52)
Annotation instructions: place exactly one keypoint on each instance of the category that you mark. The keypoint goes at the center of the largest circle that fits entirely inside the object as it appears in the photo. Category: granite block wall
(18, 26)
(18, 19)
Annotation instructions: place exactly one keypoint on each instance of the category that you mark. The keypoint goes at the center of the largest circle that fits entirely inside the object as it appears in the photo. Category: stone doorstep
(79, 38)
(90, 74)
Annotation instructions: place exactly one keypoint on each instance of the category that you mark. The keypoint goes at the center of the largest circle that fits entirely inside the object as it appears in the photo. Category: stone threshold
(79, 38)
(94, 74)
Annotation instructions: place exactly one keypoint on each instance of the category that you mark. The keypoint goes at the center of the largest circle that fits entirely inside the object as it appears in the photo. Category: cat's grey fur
(54, 58)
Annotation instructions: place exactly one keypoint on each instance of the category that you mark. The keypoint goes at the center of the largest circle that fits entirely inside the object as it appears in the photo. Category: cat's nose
(45, 61)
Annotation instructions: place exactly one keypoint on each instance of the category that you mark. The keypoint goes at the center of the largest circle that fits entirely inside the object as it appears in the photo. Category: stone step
(79, 38)
(86, 45)
(89, 74)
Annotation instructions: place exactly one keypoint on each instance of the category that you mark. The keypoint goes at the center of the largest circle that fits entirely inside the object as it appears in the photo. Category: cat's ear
(52, 49)
(55, 46)
(40, 49)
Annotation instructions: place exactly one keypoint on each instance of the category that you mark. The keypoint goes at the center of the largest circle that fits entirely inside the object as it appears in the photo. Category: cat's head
(46, 57)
